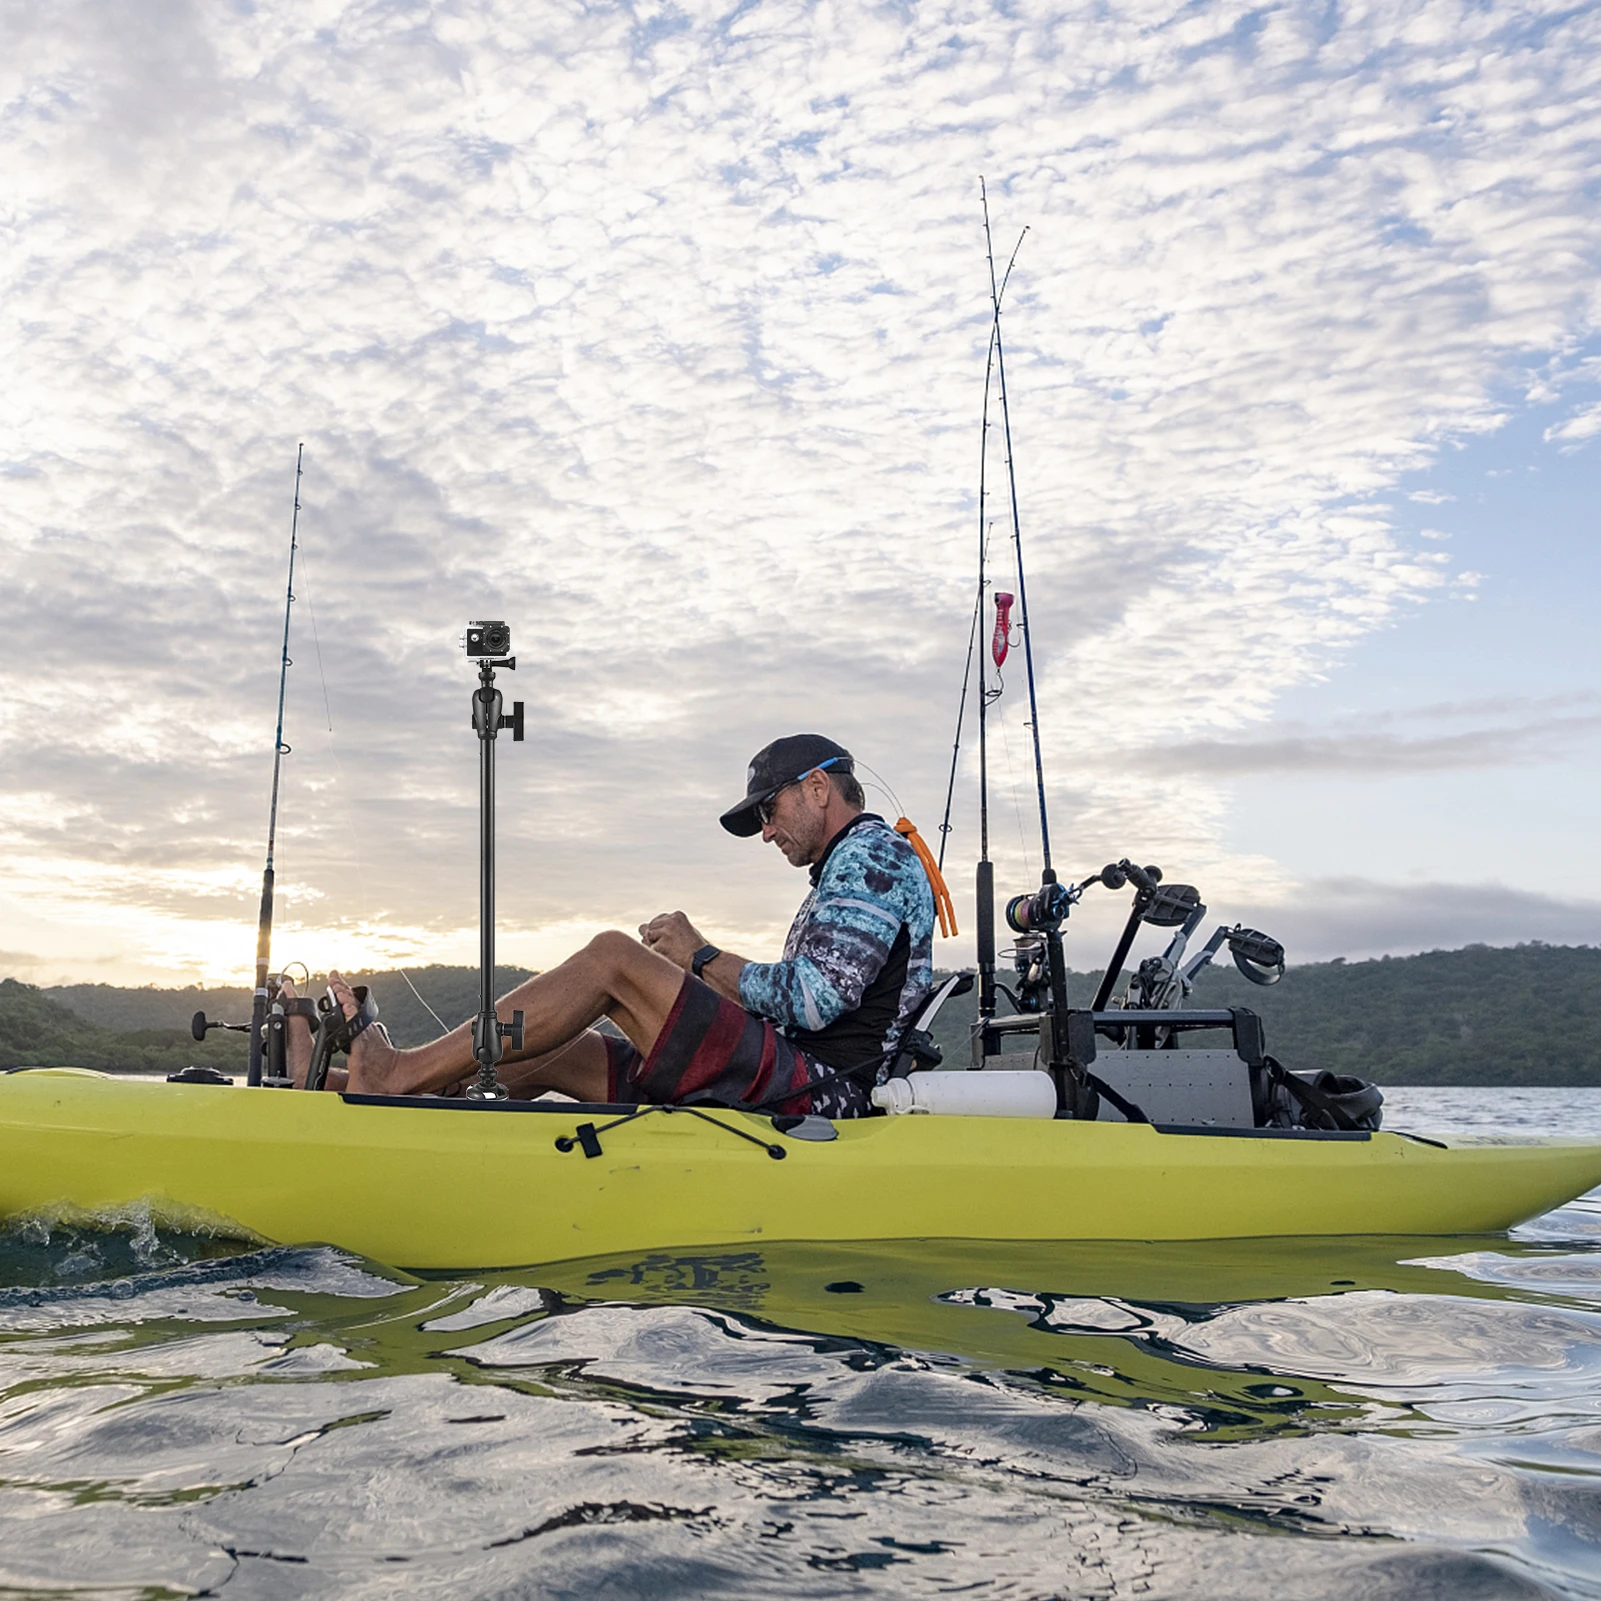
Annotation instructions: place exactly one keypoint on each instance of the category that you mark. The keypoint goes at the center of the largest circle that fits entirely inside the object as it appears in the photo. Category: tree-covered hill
(1526, 1015)
(37, 1031)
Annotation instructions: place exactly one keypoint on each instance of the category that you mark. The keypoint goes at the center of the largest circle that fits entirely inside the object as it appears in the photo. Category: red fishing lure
(1001, 642)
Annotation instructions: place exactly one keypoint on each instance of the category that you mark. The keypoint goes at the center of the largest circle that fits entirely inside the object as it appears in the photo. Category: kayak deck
(454, 1184)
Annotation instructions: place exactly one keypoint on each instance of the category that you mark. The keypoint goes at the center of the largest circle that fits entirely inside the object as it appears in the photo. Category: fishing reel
(1032, 958)
(1039, 913)
(200, 1025)
(1036, 919)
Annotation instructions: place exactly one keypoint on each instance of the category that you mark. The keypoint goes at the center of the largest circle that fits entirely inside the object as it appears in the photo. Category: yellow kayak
(451, 1184)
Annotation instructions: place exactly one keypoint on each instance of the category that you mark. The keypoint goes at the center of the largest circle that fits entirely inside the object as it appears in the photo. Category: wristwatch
(707, 953)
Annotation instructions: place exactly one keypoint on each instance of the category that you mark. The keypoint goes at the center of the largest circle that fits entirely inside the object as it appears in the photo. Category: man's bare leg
(298, 1043)
(613, 976)
(581, 1067)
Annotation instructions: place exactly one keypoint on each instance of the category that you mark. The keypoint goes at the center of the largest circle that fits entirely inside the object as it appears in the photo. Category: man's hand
(672, 935)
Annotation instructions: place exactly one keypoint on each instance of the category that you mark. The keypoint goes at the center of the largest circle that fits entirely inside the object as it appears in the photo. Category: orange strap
(936, 881)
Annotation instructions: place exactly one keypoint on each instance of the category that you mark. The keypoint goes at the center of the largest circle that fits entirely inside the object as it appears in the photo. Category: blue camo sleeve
(848, 933)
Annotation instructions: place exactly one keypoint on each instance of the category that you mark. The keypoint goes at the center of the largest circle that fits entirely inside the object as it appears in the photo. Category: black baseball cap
(775, 767)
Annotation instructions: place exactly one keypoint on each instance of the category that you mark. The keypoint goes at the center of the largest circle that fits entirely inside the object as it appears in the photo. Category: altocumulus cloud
(1512, 732)
(659, 331)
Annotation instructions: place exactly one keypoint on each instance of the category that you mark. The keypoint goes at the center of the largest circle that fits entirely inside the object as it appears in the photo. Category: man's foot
(375, 1062)
(297, 1040)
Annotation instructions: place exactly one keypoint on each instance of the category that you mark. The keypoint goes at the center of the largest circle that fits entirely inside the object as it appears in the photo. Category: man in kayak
(700, 1021)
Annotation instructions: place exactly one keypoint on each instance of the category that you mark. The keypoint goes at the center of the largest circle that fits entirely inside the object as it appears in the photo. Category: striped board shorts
(711, 1050)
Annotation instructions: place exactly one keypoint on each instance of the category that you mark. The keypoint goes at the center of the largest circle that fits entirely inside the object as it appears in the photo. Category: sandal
(336, 1032)
(275, 1037)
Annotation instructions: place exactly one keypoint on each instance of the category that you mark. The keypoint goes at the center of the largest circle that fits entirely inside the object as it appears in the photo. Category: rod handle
(984, 919)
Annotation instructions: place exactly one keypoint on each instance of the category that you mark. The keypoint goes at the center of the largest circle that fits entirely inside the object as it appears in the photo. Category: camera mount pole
(489, 1033)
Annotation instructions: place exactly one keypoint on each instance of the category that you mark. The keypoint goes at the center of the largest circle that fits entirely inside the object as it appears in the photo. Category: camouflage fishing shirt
(859, 956)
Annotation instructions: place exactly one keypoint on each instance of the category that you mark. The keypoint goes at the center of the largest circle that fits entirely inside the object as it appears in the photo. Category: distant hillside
(1527, 1015)
(36, 1031)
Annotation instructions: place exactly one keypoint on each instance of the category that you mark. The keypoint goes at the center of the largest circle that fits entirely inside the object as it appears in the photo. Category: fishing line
(1011, 781)
(1013, 626)
(1021, 625)
(882, 785)
(1017, 534)
(991, 695)
(548, 1058)
(984, 872)
(961, 712)
(316, 645)
(984, 697)
(995, 695)
(341, 786)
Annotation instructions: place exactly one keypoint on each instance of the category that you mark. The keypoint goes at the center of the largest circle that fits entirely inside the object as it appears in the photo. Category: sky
(660, 332)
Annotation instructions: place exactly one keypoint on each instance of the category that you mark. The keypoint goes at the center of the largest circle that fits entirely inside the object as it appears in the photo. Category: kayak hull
(432, 1185)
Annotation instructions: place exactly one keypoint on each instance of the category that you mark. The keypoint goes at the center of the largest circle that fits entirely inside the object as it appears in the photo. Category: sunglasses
(765, 808)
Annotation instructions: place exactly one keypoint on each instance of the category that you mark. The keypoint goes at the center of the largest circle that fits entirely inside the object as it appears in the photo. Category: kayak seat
(917, 1051)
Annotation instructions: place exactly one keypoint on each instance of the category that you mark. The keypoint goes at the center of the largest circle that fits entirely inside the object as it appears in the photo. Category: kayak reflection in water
(702, 1022)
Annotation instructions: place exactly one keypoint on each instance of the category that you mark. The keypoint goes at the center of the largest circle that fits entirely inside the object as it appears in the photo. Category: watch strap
(707, 953)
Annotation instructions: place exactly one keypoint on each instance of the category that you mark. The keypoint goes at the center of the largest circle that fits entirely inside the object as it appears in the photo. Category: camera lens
(497, 639)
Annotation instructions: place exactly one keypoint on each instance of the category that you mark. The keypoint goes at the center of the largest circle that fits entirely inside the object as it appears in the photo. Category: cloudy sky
(660, 331)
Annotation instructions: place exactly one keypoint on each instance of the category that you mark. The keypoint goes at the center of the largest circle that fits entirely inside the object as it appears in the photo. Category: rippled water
(1371, 1418)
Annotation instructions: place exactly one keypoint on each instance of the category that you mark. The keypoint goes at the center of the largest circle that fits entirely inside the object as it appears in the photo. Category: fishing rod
(985, 903)
(984, 874)
(1048, 875)
(258, 1012)
(961, 705)
(985, 885)
(1036, 919)
(1043, 913)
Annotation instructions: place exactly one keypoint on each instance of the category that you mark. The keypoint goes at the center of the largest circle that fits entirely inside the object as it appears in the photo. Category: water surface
(1363, 1418)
